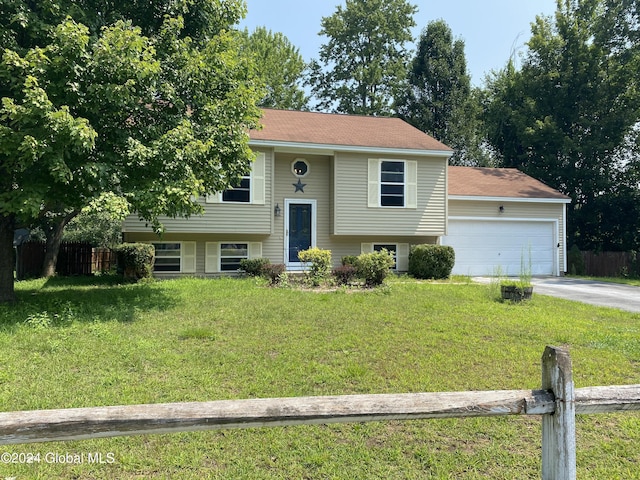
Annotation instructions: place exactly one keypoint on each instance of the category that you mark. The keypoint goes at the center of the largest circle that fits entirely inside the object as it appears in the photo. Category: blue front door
(300, 229)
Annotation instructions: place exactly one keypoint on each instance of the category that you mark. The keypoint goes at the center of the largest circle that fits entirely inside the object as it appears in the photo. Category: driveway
(605, 294)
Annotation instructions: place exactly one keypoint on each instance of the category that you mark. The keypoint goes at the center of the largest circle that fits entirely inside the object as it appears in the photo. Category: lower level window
(167, 257)
(231, 254)
(392, 248)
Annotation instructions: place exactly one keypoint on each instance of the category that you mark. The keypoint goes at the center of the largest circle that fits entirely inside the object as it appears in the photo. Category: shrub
(274, 272)
(345, 274)
(431, 261)
(320, 261)
(135, 260)
(349, 260)
(254, 266)
(576, 261)
(374, 267)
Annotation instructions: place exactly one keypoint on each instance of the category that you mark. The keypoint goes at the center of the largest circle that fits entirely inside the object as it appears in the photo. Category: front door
(300, 226)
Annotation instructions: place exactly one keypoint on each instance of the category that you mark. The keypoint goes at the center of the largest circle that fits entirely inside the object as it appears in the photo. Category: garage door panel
(492, 247)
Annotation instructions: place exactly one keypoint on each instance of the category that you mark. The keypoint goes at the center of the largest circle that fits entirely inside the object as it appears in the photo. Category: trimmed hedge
(135, 260)
(254, 267)
(374, 267)
(431, 261)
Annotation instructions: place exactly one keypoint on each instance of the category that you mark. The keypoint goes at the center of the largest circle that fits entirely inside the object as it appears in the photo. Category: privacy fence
(556, 401)
(74, 258)
(611, 264)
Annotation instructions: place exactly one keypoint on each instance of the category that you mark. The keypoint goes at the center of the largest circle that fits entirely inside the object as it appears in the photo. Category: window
(300, 167)
(240, 193)
(231, 254)
(391, 184)
(167, 257)
(392, 248)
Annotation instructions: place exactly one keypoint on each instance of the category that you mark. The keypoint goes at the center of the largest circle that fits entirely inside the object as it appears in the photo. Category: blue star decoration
(299, 186)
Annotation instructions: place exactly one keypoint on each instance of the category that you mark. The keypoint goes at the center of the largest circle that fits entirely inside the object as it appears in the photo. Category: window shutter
(402, 257)
(366, 247)
(374, 183)
(188, 257)
(214, 198)
(255, 249)
(258, 180)
(211, 261)
(412, 184)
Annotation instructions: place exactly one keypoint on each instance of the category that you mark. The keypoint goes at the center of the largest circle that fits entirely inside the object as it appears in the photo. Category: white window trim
(410, 184)
(256, 184)
(404, 182)
(187, 260)
(213, 256)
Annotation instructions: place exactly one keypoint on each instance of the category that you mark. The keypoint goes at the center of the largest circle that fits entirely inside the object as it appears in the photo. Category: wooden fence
(74, 258)
(557, 401)
(611, 264)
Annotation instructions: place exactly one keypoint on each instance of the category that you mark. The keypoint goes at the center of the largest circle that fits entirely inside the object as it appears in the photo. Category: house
(354, 184)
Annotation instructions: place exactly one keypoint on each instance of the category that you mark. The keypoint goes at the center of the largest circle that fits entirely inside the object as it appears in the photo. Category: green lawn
(95, 342)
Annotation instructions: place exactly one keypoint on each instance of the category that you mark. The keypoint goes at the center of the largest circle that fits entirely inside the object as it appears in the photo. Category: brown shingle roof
(498, 182)
(342, 130)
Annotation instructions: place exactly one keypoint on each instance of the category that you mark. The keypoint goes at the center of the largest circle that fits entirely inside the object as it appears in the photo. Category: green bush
(320, 261)
(135, 260)
(431, 261)
(576, 261)
(349, 260)
(254, 267)
(374, 267)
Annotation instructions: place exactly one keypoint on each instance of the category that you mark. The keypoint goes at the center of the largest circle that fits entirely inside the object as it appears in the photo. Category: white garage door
(489, 247)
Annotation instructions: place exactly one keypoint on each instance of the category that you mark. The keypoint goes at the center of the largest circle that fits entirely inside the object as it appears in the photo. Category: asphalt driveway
(605, 294)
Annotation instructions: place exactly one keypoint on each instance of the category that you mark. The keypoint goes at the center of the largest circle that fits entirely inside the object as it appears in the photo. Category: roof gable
(288, 126)
(498, 182)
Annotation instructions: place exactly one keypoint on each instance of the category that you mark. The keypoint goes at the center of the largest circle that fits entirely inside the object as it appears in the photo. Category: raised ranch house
(354, 184)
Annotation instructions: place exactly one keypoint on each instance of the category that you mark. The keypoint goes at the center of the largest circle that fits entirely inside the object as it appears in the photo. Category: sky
(492, 30)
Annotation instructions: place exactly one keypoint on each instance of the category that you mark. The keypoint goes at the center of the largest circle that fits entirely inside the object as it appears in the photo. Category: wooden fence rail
(557, 402)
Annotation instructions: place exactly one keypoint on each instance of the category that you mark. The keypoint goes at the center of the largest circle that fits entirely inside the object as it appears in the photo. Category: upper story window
(250, 189)
(240, 193)
(392, 183)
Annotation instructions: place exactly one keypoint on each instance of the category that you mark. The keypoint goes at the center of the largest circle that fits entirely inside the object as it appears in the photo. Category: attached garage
(500, 219)
(489, 247)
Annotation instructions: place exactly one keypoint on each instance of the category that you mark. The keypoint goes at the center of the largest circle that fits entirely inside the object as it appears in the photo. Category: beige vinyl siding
(318, 187)
(343, 246)
(512, 210)
(199, 256)
(354, 210)
(219, 217)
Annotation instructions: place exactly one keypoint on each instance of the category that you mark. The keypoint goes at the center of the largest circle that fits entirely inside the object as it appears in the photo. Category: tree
(156, 119)
(364, 63)
(438, 98)
(568, 116)
(280, 67)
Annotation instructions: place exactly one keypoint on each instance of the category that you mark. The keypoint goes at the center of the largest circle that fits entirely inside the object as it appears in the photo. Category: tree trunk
(7, 262)
(52, 247)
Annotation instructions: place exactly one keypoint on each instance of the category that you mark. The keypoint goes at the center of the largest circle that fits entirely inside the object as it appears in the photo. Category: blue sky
(492, 29)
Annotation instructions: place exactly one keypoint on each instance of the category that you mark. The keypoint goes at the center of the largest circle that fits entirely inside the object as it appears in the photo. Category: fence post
(559, 428)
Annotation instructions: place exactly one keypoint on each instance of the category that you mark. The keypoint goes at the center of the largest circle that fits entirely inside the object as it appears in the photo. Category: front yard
(92, 342)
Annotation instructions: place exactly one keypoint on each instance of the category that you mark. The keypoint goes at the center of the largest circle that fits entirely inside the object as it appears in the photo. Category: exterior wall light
(277, 211)
(501, 208)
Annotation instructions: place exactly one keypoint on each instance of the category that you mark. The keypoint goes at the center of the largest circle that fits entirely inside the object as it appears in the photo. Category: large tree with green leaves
(438, 98)
(280, 67)
(157, 113)
(568, 116)
(363, 65)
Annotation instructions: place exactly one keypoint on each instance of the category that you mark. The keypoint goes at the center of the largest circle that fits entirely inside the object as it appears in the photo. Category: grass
(90, 342)
(624, 280)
